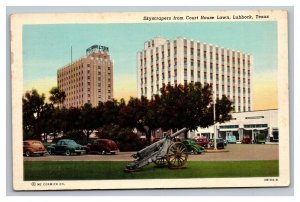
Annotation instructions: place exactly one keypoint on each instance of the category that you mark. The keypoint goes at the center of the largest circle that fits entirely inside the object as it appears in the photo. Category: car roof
(104, 140)
(31, 141)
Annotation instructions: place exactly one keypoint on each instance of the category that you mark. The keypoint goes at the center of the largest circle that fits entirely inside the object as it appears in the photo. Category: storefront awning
(228, 129)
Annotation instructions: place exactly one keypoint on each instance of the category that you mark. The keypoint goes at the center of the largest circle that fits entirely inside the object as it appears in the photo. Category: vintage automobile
(260, 138)
(193, 147)
(201, 141)
(246, 139)
(102, 146)
(66, 147)
(220, 143)
(231, 139)
(31, 147)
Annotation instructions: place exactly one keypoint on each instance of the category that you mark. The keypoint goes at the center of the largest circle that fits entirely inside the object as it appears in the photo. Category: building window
(192, 62)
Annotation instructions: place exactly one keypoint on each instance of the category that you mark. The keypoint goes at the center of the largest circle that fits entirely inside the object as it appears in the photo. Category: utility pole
(215, 127)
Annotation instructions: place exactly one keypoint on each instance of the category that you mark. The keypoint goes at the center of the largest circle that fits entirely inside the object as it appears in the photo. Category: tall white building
(183, 60)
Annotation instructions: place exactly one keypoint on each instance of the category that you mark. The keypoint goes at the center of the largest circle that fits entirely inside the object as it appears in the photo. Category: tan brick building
(88, 79)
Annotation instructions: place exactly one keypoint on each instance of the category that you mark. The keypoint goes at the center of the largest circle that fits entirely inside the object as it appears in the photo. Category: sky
(46, 48)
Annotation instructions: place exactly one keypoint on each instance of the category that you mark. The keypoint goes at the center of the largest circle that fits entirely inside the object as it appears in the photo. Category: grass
(100, 170)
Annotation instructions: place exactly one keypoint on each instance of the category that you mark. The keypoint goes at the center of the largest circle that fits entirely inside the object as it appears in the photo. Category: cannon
(165, 152)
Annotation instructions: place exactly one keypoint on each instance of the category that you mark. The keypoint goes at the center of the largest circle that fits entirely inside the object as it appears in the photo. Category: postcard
(150, 100)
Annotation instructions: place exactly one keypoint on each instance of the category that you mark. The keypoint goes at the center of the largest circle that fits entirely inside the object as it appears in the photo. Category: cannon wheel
(177, 155)
(161, 162)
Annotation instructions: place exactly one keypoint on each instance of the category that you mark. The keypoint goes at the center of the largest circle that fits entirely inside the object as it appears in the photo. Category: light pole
(215, 129)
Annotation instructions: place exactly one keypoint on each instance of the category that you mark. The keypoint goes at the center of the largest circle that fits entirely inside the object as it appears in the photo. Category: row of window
(194, 45)
(217, 93)
(169, 75)
(191, 62)
(72, 72)
(158, 57)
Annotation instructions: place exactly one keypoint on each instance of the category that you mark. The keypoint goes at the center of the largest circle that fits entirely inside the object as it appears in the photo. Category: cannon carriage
(165, 152)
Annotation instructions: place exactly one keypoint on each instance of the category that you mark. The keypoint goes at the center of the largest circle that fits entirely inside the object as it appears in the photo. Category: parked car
(193, 147)
(66, 147)
(260, 138)
(31, 147)
(231, 139)
(220, 143)
(246, 139)
(202, 141)
(102, 146)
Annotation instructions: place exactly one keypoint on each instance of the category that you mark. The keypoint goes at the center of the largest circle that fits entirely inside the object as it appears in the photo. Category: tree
(134, 115)
(223, 109)
(33, 105)
(88, 120)
(190, 106)
(57, 96)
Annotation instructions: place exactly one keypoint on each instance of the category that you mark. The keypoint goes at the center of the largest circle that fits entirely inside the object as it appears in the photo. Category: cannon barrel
(178, 132)
(156, 145)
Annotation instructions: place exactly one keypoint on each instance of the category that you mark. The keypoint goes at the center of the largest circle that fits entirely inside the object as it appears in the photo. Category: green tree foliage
(124, 137)
(33, 106)
(189, 105)
(57, 96)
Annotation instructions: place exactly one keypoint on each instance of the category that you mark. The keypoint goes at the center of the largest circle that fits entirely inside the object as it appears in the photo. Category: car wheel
(68, 152)
(50, 152)
(27, 153)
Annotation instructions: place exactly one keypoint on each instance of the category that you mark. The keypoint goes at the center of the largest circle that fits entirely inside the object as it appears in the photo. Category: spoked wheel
(177, 155)
(161, 162)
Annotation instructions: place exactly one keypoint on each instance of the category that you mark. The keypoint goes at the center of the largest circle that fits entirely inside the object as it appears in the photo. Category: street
(237, 152)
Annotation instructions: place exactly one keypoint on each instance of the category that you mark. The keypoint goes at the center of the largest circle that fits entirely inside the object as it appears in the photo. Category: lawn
(100, 170)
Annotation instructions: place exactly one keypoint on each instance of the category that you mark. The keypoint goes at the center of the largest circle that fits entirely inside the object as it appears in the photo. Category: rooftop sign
(95, 48)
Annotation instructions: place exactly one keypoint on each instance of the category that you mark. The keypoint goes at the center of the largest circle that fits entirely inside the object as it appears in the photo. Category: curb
(217, 151)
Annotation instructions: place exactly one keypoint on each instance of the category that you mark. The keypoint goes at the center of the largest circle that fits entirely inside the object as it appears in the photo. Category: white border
(17, 79)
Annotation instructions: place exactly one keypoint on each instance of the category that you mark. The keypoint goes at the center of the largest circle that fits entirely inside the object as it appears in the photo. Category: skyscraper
(183, 60)
(89, 79)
